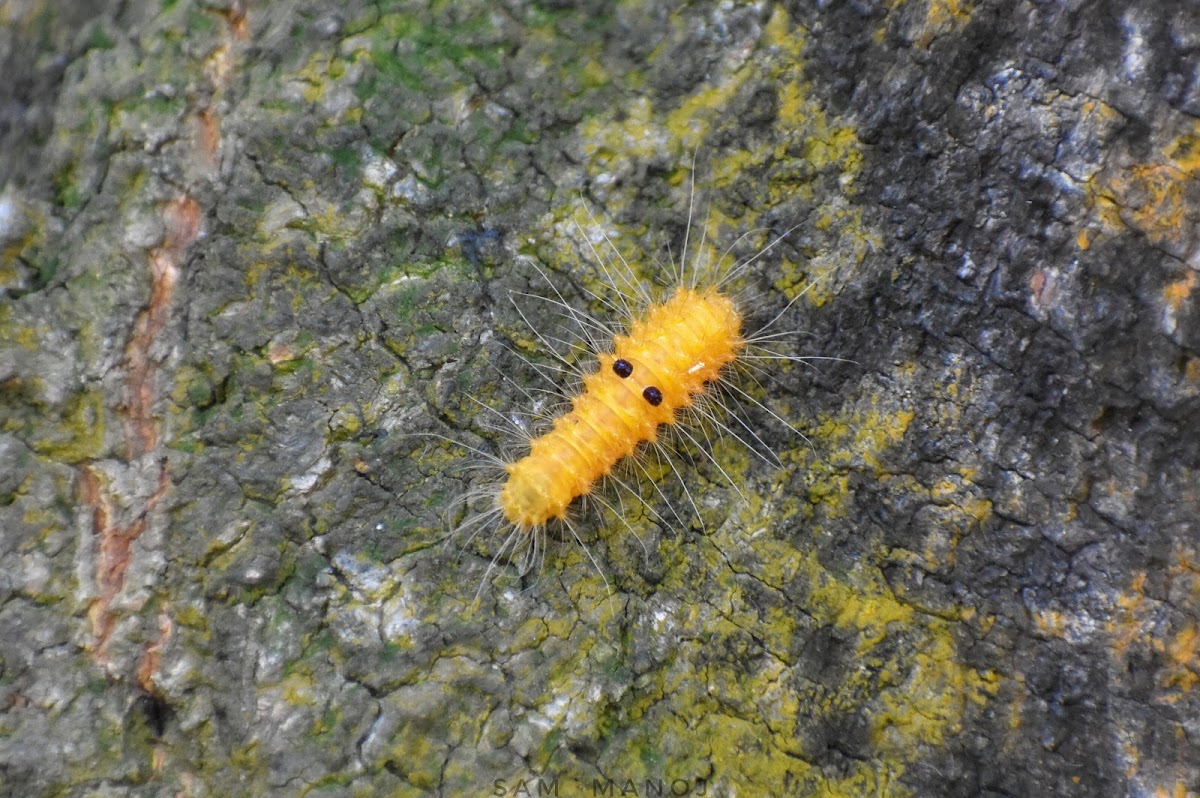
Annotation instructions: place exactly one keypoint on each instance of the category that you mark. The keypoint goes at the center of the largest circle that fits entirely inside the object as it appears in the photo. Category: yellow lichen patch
(642, 132)
(1182, 670)
(314, 76)
(940, 18)
(297, 689)
(945, 16)
(1180, 790)
(685, 123)
(79, 435)
(853, 440)
(1181, 650)
(950, 12)
(29, 337)
(25, 238)
(635, 135)
(804, 280)
(1151, 196)
(977, 509)
(780, 35)
(861, 435)
(930, 704)
(915, 693)
(1185, 571)
(1137, 624)
(1051, 623)
(908, 682)
(1191, 370)
(1016, 707)
(862, 604)
(1176, 296)
(1179, 291)
(799, 115)
(1185, 153)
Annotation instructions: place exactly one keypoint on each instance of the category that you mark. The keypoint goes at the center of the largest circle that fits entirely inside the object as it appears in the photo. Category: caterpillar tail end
(525, 501)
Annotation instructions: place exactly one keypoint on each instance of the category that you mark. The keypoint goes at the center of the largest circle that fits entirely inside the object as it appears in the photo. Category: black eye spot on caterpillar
(622, 368)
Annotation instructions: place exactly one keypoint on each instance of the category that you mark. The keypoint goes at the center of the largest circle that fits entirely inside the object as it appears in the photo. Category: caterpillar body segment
(660, 367)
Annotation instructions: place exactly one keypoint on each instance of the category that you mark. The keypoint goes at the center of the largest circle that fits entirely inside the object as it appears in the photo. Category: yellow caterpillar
(671, 360)
(662, 366)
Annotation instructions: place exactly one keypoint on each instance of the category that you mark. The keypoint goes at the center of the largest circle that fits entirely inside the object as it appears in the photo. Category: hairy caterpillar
(666, 366)
(659, 368)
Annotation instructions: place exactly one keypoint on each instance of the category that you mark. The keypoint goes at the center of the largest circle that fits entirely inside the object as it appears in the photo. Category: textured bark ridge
(247, 248)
